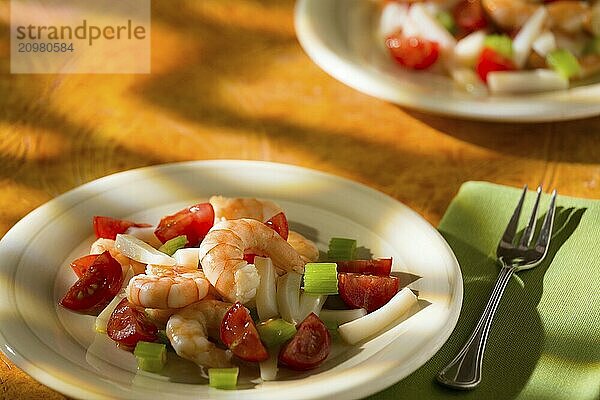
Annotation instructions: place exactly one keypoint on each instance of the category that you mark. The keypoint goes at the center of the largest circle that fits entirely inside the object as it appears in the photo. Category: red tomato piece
(309, 347)
(378, 266)
(108, 228)
(82, 264)
(194, 222)
(412, 52)
(97, 287)
(490, 60)
(366, 291)
(128, 325)
(249, 258)
(239, 334)
(279, 224)
(469, 16)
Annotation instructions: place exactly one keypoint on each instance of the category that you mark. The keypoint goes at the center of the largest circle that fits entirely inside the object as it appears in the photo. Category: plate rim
(361, 80)
(99, 185)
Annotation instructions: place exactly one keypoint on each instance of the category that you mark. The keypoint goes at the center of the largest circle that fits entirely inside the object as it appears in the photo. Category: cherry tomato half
(490, 60)
(108, 228)
(279, 224)
(309, 347)
(193, 222)
(97, 287)
(378, 266)
(469, 16)
(239, 334)
(412, 52)
(82, 264)
(128, 325)
(366, 291)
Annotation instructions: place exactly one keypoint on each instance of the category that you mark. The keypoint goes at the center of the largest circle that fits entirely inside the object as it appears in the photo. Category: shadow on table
(521, 139)
(517, 335)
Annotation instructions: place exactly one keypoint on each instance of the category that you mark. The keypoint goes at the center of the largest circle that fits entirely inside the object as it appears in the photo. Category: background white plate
(51, 344)
(340, 37)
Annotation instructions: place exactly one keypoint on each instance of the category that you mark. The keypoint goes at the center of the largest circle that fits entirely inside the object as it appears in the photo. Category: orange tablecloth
(229, 80)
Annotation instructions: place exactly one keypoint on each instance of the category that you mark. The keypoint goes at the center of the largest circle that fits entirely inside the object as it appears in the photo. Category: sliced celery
(446, 20)
(172, 245)
(150, 356)
(275, 332)
(320, 278)
(564, 62)
(341, 249)
(501, 44)
(223, 378)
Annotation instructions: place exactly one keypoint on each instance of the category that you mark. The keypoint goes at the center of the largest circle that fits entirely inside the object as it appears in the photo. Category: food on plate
(96, 288)
(225, 284)
(188, 331)
(128, 325)
(222, 256)
(167, 287)
(496, 46)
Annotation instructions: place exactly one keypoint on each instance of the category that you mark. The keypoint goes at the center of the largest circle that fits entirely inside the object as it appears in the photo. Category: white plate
(51, 344)
(340, 37)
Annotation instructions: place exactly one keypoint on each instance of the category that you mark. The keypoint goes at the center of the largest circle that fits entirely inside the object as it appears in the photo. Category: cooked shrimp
(222, 256)
(101, 245)
(239, 207)
(161, 316)
(189, 328)
(509, 14)
(261, 210)
(306, 248)
(565, 15)
(167, 287)
(570, 16)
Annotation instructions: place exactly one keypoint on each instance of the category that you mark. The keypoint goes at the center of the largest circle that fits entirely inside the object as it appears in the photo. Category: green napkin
(545, 339)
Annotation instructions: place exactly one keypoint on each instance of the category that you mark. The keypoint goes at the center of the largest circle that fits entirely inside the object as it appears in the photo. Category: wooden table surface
(229, 80)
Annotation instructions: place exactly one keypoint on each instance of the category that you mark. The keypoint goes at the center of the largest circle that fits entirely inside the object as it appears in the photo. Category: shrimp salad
(226, 284)
(496, 46)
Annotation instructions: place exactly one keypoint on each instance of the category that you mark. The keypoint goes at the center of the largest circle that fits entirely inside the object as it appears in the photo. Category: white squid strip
(359, 329)
(527, 35)
(537, 80)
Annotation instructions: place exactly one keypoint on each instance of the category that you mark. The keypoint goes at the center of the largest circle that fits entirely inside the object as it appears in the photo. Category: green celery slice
(341, 249)
(150, 357)
(275, 331)
(172, 245)
(563, 62)
(446, 20)
(320, 278)
(502, 44)
(223, 378)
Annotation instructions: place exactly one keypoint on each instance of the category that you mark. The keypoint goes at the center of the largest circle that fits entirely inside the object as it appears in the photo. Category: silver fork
(464, 372)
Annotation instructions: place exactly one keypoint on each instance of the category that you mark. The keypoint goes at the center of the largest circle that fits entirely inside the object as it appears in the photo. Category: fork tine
(528, 234)
(546, 231)
(511, 229)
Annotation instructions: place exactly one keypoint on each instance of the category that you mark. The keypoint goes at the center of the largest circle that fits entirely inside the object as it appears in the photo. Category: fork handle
(464, 372)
